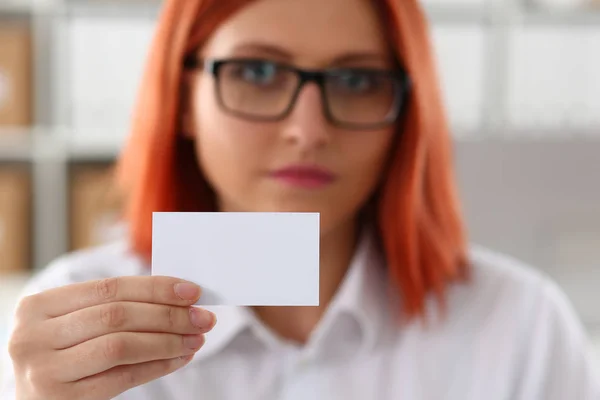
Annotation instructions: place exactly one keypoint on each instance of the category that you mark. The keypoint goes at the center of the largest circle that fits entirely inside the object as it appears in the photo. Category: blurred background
(522, 85)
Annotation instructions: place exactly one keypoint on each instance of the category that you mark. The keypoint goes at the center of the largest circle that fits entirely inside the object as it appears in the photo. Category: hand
(97, 339)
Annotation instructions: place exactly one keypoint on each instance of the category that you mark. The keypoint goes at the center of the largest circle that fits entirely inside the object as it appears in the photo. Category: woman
(301, 105)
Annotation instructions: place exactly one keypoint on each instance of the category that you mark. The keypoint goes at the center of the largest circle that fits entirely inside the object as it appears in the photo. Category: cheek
(367, 157)
(362, 162)
(228, 148)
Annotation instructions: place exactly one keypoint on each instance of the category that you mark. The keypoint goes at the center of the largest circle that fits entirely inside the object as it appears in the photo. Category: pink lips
(310, 177)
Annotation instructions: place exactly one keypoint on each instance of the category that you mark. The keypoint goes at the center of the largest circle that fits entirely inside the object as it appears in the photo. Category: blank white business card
(241, 259)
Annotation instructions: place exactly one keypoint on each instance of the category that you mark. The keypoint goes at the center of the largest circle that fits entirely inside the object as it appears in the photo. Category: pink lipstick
(304, 176)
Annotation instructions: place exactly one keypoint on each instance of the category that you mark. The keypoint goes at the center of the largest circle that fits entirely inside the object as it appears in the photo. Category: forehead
(311, 30)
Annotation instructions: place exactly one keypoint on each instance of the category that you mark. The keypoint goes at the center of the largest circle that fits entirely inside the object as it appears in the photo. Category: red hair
(418, 213)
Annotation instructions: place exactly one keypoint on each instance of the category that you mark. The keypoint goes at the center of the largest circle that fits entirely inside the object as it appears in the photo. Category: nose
(306, 126)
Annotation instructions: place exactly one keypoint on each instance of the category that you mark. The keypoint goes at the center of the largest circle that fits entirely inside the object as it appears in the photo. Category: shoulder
(510, 325)
(499, 290)
(530, 316)
(497, 276)
(115, 259)
(503, 287)
(506, 298)
(505, 280)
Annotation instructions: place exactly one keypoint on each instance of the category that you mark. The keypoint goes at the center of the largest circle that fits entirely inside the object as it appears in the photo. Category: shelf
(37, 144)
(16, 144)
(439, 14)
(41, 144)
(16, 7)
(87, 8)
(565, 17)
(79, 151)
(27, 7)
(544, 135)
(112, 8)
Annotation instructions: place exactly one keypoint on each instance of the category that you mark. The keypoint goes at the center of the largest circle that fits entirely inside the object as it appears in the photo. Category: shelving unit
(54, 142)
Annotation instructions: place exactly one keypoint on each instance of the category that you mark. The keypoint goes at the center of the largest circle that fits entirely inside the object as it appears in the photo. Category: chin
(297, 205)
(330, 216)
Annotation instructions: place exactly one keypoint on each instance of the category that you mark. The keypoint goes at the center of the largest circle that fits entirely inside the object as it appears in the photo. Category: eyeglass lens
(267, 90)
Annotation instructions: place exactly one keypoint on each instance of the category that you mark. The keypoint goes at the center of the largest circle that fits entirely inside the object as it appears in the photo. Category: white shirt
(508, 334)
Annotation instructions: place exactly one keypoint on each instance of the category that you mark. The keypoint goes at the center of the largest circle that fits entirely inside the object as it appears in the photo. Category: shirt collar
(362, 296)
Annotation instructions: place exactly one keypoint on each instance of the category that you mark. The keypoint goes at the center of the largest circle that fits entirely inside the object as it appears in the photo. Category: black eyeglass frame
(399, 75)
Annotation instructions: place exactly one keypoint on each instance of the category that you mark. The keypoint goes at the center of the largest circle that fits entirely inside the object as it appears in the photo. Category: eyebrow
(281, 53)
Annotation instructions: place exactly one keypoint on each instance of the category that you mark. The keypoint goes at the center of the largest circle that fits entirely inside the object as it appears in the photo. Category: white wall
(540, 202)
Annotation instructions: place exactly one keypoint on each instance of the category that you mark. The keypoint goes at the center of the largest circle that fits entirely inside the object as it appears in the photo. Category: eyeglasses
(262, 90)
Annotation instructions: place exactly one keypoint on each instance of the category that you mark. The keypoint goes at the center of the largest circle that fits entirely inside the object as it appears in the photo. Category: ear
(187, 115)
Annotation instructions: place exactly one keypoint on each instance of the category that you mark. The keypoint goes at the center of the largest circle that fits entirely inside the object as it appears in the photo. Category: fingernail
(187, 291)
(184, 359)
(193, 342)
(201, 318)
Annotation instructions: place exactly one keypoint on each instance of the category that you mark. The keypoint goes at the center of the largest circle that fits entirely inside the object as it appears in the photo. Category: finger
(122, 378)
(145, 289)
(123, 348)
(82, 325)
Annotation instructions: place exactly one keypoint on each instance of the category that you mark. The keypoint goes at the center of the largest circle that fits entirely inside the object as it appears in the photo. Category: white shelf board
(39, 144)
(560, 17)
(28, 6)
(113, 9)
(456, 14)
(140, 4)
(543, 135)
(442, 12)
(92, 8)
(16, 144)
(93, 151)
(15, 7)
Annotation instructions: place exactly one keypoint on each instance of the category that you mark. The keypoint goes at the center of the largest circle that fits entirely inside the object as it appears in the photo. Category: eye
(256, 72)
(356, 81)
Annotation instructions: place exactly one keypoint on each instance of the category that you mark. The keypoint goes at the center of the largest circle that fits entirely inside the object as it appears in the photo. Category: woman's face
(303, 162)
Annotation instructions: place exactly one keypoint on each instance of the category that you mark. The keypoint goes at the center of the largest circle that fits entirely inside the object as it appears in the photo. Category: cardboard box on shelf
(15, 74)
(15, 211)
(95, 206)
